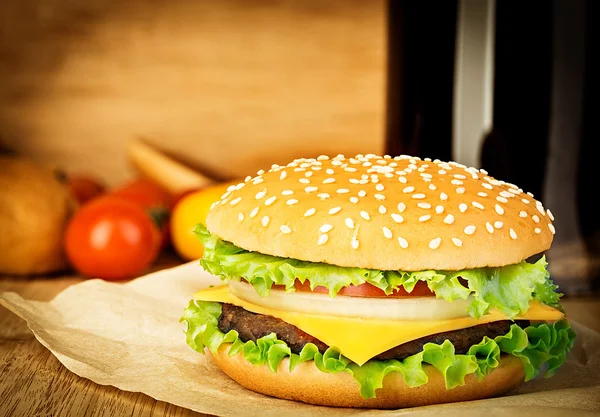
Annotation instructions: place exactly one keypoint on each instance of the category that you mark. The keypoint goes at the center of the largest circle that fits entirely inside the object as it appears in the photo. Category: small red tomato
(112, 239)
(84, 187)
(154, 199)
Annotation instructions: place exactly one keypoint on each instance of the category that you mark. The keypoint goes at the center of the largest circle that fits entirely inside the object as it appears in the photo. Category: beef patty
(252, 326)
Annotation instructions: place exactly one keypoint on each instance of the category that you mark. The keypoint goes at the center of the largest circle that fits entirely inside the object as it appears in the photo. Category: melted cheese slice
(361, 339)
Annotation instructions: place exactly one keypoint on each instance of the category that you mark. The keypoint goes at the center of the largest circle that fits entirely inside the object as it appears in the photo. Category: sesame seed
(387, 232)
(350, 169)
(435, 243)
(309, 212)
(304, 181)
(382, 209)
(322, 239)
(424, 218)
(462, 207)
(257, 180)
(317, 168)
(402, 242)
(460, 176)
(470, 229)
(551, 227)
(443, 196)
(426, 175)
(524, 200)
(401, 207)
(498, 224)
(457, 241)
(308, 174)
(336, 163)
(499, 209)
(432, 187)
(449, 219)
(328, 180)
(365, 215)
(379, 187)
(512, 233)
(505, 194)
(270, 200)
(213, 205)
(349, 222)
(489, 227)
(537, 230)
(235, 201)
(535, 218)
(285, 230)
(550, 214)
(397, 218)
(439, 209)
(325, 228)
(408, 189)
(367, 164)
(363, 181)
(540, 208)
(354, 181)
(260, 194)
(482, 194)
(478, 205)
(329, 171)
(441, 172)
(502, 199)
(354, 243)
(362, 193)
(299, 169)
(488, 186)
(342, 190)
(311, 189)
(323, 196)
(335, 210)
(322, 158)
(483, 171)
(240, 186)
(291, 202)
(287, 192)
(241, 217)
(254, 212)
(265, 221)
(354, 199)
(248, 178)
(403, 180)
(260, 172)
(227, 194)
(460, 190)
(379, 197)
(424, 205)
(456, 182)
(419, 196)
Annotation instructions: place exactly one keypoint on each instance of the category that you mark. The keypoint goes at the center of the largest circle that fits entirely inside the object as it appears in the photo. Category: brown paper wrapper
(129, 336)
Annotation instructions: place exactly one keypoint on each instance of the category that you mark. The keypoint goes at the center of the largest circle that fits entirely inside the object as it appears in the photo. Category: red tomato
(84, 188)
(151, 197)
(111, 238)
(365, 290)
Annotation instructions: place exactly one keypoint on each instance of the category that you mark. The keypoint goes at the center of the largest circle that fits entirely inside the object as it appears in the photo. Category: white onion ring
(388, 308)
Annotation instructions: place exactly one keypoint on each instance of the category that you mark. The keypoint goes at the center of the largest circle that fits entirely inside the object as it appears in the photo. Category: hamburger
(378, 282)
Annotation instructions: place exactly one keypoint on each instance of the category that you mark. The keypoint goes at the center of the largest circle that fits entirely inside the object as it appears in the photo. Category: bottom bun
(307, 384)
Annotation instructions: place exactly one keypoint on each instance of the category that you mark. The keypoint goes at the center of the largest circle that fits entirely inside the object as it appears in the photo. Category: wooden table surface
(34, 383)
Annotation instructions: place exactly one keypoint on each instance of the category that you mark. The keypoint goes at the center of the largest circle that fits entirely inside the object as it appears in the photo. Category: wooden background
(229, 86)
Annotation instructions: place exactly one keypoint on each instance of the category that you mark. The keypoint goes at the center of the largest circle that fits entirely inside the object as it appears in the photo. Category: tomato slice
(364, 290)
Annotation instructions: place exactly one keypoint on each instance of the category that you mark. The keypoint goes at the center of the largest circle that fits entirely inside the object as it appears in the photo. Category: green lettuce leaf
(536, 346)
(508, 289)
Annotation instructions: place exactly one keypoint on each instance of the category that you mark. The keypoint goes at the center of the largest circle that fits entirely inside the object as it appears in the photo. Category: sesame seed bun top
(400, 213)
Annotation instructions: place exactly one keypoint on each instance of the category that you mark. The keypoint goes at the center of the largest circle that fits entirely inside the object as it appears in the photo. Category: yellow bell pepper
(190, 210)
